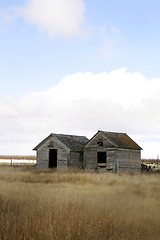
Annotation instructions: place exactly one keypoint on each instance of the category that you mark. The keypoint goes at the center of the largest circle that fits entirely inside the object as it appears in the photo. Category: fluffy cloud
(58, 17)
(82, 103)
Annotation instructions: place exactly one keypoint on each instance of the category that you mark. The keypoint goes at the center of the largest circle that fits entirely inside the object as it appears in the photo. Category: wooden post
(11, 161)
(117, 166)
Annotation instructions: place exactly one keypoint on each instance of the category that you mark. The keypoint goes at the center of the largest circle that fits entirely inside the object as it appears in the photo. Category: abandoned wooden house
(61, 150)
(109, 151)
(113, 151)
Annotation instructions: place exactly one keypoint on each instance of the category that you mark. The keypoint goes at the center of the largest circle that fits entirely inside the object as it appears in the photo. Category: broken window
(100, 143)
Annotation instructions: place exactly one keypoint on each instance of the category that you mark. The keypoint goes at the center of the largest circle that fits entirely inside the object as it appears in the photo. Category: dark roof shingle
(121, 140)
(73, 142)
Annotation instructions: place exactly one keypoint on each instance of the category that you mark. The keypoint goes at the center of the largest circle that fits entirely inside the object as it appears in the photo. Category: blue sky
(31, 60)
(46, 42)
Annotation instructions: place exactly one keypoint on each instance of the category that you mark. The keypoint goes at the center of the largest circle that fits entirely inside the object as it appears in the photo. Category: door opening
(101, 159)
(52, 158)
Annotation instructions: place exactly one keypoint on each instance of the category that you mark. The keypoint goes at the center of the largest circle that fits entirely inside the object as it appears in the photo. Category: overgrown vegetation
(37, 205)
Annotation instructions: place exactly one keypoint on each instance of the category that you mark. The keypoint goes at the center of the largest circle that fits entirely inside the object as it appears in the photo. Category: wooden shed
(112, 151)
(108, 151)
(61, 150)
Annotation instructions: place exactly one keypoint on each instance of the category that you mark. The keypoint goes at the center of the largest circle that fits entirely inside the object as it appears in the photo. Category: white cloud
(109, 38)
(82, 103)
(56, 17)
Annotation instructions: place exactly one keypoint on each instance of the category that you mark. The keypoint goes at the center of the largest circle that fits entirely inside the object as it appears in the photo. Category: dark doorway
(52, 158)
(101, 159)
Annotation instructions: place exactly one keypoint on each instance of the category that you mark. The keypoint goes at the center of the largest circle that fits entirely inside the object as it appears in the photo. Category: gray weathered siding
(117, 160)
(117, 157)
(111, 161)
(128, 159)
(91, 149)
(90, 158)
(76, 160)
(63, 153)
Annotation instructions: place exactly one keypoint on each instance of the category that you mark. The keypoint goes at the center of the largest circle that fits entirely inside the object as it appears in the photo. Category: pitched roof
(121, 140)
(73, 142)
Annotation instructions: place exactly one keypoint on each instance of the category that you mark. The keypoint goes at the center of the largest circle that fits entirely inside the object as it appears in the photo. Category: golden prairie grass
(44, 204)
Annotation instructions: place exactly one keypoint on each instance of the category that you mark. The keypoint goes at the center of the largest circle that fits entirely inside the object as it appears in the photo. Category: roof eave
(44, 140)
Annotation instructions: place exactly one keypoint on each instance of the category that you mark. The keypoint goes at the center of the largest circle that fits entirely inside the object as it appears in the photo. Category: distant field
(56, 205)
(150, 160)
(29, 157)
(17, 160)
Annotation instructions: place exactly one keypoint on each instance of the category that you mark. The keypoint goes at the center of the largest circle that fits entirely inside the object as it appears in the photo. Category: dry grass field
(50, 205)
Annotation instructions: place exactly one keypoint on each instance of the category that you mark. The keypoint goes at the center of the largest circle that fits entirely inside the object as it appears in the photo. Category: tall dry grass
(37, 205)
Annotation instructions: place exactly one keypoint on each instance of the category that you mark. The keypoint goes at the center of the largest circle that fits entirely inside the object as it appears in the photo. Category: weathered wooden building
(109, 151)
(61, 150)
(113, 151)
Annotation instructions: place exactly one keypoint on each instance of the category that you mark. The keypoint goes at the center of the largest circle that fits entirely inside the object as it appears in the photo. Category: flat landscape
(80, 205)
(17, 160)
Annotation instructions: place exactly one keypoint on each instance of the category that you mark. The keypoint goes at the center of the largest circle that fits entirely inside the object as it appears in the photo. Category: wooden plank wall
(90, 157)
(77, 160)
(63, 154)
(117, 159)
(111, 161)
(91, 149)
(129, 159)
